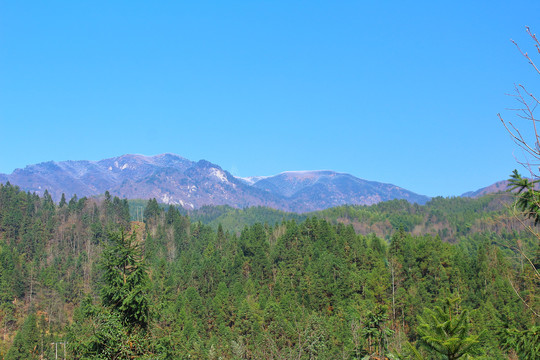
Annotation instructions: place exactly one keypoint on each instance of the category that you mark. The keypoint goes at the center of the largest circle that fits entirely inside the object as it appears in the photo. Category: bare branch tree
(526, 111)
(527, 204)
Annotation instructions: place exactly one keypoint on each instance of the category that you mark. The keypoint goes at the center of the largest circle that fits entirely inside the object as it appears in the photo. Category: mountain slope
(312, 190)
(175, 180)
(499, 186)
(89, 178)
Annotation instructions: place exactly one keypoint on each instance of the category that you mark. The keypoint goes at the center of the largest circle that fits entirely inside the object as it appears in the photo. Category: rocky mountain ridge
(175, 180)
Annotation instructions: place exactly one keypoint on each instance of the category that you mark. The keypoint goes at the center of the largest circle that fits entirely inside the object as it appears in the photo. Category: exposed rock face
(175, 180)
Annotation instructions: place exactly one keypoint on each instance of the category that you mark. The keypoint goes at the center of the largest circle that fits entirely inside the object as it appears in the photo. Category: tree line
(81, 273)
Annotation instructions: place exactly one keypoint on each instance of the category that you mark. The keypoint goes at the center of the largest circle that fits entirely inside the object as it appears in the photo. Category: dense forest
(97, 279)
(449, 218)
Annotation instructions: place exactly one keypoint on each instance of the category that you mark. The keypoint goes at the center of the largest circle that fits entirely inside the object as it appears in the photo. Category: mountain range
(173, 179)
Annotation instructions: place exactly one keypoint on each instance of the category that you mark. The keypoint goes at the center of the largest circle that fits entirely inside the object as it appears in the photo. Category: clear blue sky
(404, 92)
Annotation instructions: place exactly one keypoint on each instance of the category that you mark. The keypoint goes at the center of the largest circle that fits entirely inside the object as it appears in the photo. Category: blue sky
(391, 91)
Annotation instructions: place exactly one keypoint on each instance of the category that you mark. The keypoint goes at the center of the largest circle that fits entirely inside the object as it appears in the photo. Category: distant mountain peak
(329, 188)
(207, 164)
(499, 186)
(173, 179)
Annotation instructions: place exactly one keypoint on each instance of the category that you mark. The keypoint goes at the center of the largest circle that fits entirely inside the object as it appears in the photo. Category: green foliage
(449, 218)
(447, 331)
(152, 211)
(125, 281)
(525, 343)
(376, 333)
(264, 284)
(116, 329)
(25, 345)
(235, 220)
(528, 199)
(100, 333)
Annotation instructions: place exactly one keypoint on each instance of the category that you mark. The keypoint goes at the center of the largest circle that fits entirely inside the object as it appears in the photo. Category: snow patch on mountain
(219, 174)
(176, 180)
(250, 180)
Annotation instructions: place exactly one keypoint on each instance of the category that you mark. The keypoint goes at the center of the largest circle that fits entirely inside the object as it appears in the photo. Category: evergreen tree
(447, 331)
(62, 200)
(25, 345)
(526, 343)
(116, 329)
(125, 280)
(152, 210)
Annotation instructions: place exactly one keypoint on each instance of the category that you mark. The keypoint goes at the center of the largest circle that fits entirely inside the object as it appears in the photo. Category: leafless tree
(527, 105)
(527, 204)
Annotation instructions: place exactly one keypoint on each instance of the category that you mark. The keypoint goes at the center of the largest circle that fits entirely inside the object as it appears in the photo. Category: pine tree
(62, 201)
(25, 344)
(125, 280)
(447, 331)
(118, 327)
(525, 343)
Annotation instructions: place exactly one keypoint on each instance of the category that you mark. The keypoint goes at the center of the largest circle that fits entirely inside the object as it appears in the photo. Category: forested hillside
(448, 218)
(80, 272)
